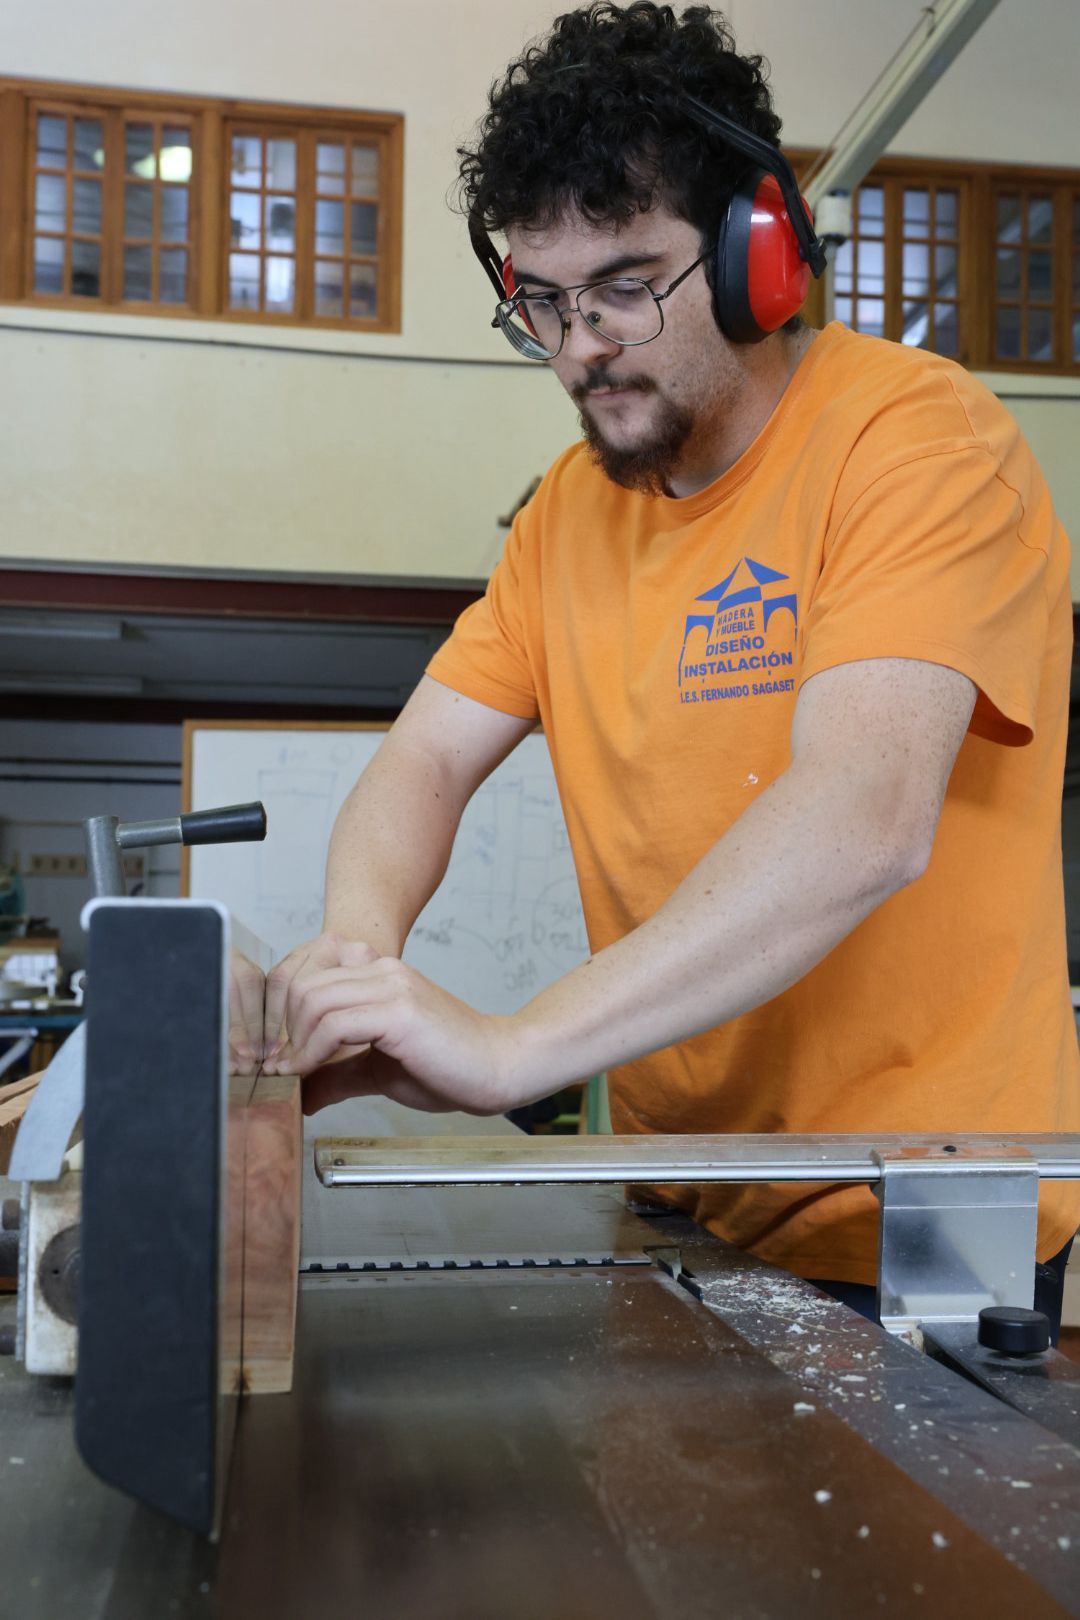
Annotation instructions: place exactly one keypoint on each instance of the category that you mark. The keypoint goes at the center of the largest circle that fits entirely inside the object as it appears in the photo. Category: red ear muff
(510, 288)
(761, 278)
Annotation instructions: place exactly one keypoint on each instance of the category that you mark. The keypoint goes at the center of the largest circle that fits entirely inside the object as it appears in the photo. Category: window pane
(329, 227)
(1008, 334)
(945, 269)
(917, 209)
(139, 150)
(137, 273)
(86, 209)
(1040, 219)
(246, 160)
(1008, 216)
(871, 267)
(946, 329)
(1039, 276)
(244, 210)
(916, 269)
(86, 269)
(916, 325)
(362, 301)
(328, 287)
(330, 165)
(174, 213)
(172, 276)
(244, 271)
(843, 266)
(945, 212)
(1076, 220)
(1040, 335)
(870, 314)
(89, 144)
(51, 142)
(138, 209)
(281, 165)
(365, 170)
(365, 228)
(50, 202)
(280, 284)
(1076, 339)
(842, 310)
(1008, 272)
(1076, 276)
(280, 222)
(871, 210)
(48, 265)
(175, 161)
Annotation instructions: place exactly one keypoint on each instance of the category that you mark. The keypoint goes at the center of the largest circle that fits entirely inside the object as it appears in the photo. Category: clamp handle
(232, 824)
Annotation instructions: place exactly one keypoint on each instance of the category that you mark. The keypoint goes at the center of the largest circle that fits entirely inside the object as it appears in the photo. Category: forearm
(791, 878)
(390, 847)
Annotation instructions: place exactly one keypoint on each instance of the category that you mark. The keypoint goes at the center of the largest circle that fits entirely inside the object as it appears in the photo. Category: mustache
(600, 377)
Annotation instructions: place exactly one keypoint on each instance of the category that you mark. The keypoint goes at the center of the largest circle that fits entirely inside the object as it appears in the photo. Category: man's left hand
(381, 1027)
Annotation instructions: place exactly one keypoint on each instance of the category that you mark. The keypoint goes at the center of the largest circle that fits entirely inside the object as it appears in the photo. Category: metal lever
(106, 837)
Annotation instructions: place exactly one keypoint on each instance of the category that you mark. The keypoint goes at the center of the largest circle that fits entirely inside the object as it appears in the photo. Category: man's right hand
(283, 981)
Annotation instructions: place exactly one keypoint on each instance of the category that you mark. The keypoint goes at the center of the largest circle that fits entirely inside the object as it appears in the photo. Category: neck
(755, 390)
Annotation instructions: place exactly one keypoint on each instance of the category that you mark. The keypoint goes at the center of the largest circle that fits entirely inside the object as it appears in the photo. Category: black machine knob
(1013, 1331)
(234, 824)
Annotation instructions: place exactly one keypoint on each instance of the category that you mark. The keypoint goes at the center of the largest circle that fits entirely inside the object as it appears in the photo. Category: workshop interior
(265, 442)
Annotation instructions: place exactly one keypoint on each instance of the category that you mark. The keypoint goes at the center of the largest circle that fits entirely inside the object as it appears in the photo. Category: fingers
(349, 1025)
(315, 994)
(277, 989)
(314, 956)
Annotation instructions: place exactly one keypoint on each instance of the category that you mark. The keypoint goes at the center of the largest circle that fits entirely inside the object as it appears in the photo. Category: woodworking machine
(508, 1394)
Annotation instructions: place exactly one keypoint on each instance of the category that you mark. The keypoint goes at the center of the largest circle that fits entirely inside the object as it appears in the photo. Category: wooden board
(14, 1101)
(274, 1139)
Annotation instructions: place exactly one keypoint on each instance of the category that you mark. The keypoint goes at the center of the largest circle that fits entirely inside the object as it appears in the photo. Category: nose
(584, 342)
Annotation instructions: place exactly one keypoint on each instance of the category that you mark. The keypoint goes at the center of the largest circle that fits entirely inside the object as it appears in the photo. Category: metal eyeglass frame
(533, 349)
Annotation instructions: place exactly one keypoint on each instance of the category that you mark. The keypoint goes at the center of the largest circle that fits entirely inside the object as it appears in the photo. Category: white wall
(196, 455)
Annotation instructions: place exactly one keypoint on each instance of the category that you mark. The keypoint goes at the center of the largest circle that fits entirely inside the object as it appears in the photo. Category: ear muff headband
(766, 247)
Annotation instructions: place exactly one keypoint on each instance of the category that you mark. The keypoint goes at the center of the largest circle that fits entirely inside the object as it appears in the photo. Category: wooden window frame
(209, 226)
(977, 185)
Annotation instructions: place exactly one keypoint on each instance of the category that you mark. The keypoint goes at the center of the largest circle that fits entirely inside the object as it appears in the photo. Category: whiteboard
(506, 920)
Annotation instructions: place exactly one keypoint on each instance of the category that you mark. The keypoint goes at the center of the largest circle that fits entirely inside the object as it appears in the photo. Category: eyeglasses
(625, 311)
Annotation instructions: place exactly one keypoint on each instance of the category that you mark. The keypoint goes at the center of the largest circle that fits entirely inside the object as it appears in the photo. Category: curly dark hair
(592, 118)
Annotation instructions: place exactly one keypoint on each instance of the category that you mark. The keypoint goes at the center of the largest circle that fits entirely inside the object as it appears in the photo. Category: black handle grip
(232, 824)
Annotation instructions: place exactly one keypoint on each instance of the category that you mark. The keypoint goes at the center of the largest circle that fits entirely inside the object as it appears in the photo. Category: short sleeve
(486, 656)
(929, 562)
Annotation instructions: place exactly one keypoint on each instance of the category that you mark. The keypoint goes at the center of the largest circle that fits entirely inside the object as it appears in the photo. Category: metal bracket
(52, 1115)
(958, 1232)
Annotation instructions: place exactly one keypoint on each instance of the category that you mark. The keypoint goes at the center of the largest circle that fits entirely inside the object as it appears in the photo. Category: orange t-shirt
(889, 508)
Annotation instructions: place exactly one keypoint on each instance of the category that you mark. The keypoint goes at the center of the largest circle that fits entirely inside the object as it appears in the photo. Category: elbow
(911, 861)
(906, 843)
(890, 853)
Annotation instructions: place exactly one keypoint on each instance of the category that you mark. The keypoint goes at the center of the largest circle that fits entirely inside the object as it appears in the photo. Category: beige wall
(393, 456)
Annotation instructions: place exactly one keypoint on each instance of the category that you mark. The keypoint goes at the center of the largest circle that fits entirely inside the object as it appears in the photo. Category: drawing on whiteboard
(292, 861)
(508, 910)
(504, 923)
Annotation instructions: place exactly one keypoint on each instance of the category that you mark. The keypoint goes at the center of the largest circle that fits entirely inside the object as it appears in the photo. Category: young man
(796, 619)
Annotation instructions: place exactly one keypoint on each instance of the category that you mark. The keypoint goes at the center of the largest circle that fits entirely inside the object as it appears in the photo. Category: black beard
(646, 468)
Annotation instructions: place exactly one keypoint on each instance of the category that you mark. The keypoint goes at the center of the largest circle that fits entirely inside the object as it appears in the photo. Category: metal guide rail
(461, 1161)
(959, 1216)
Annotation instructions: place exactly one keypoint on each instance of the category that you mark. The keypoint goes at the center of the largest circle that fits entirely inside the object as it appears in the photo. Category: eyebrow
(610, 267)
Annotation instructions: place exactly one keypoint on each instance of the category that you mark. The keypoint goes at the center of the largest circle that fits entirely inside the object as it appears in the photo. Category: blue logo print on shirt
(731, 646)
